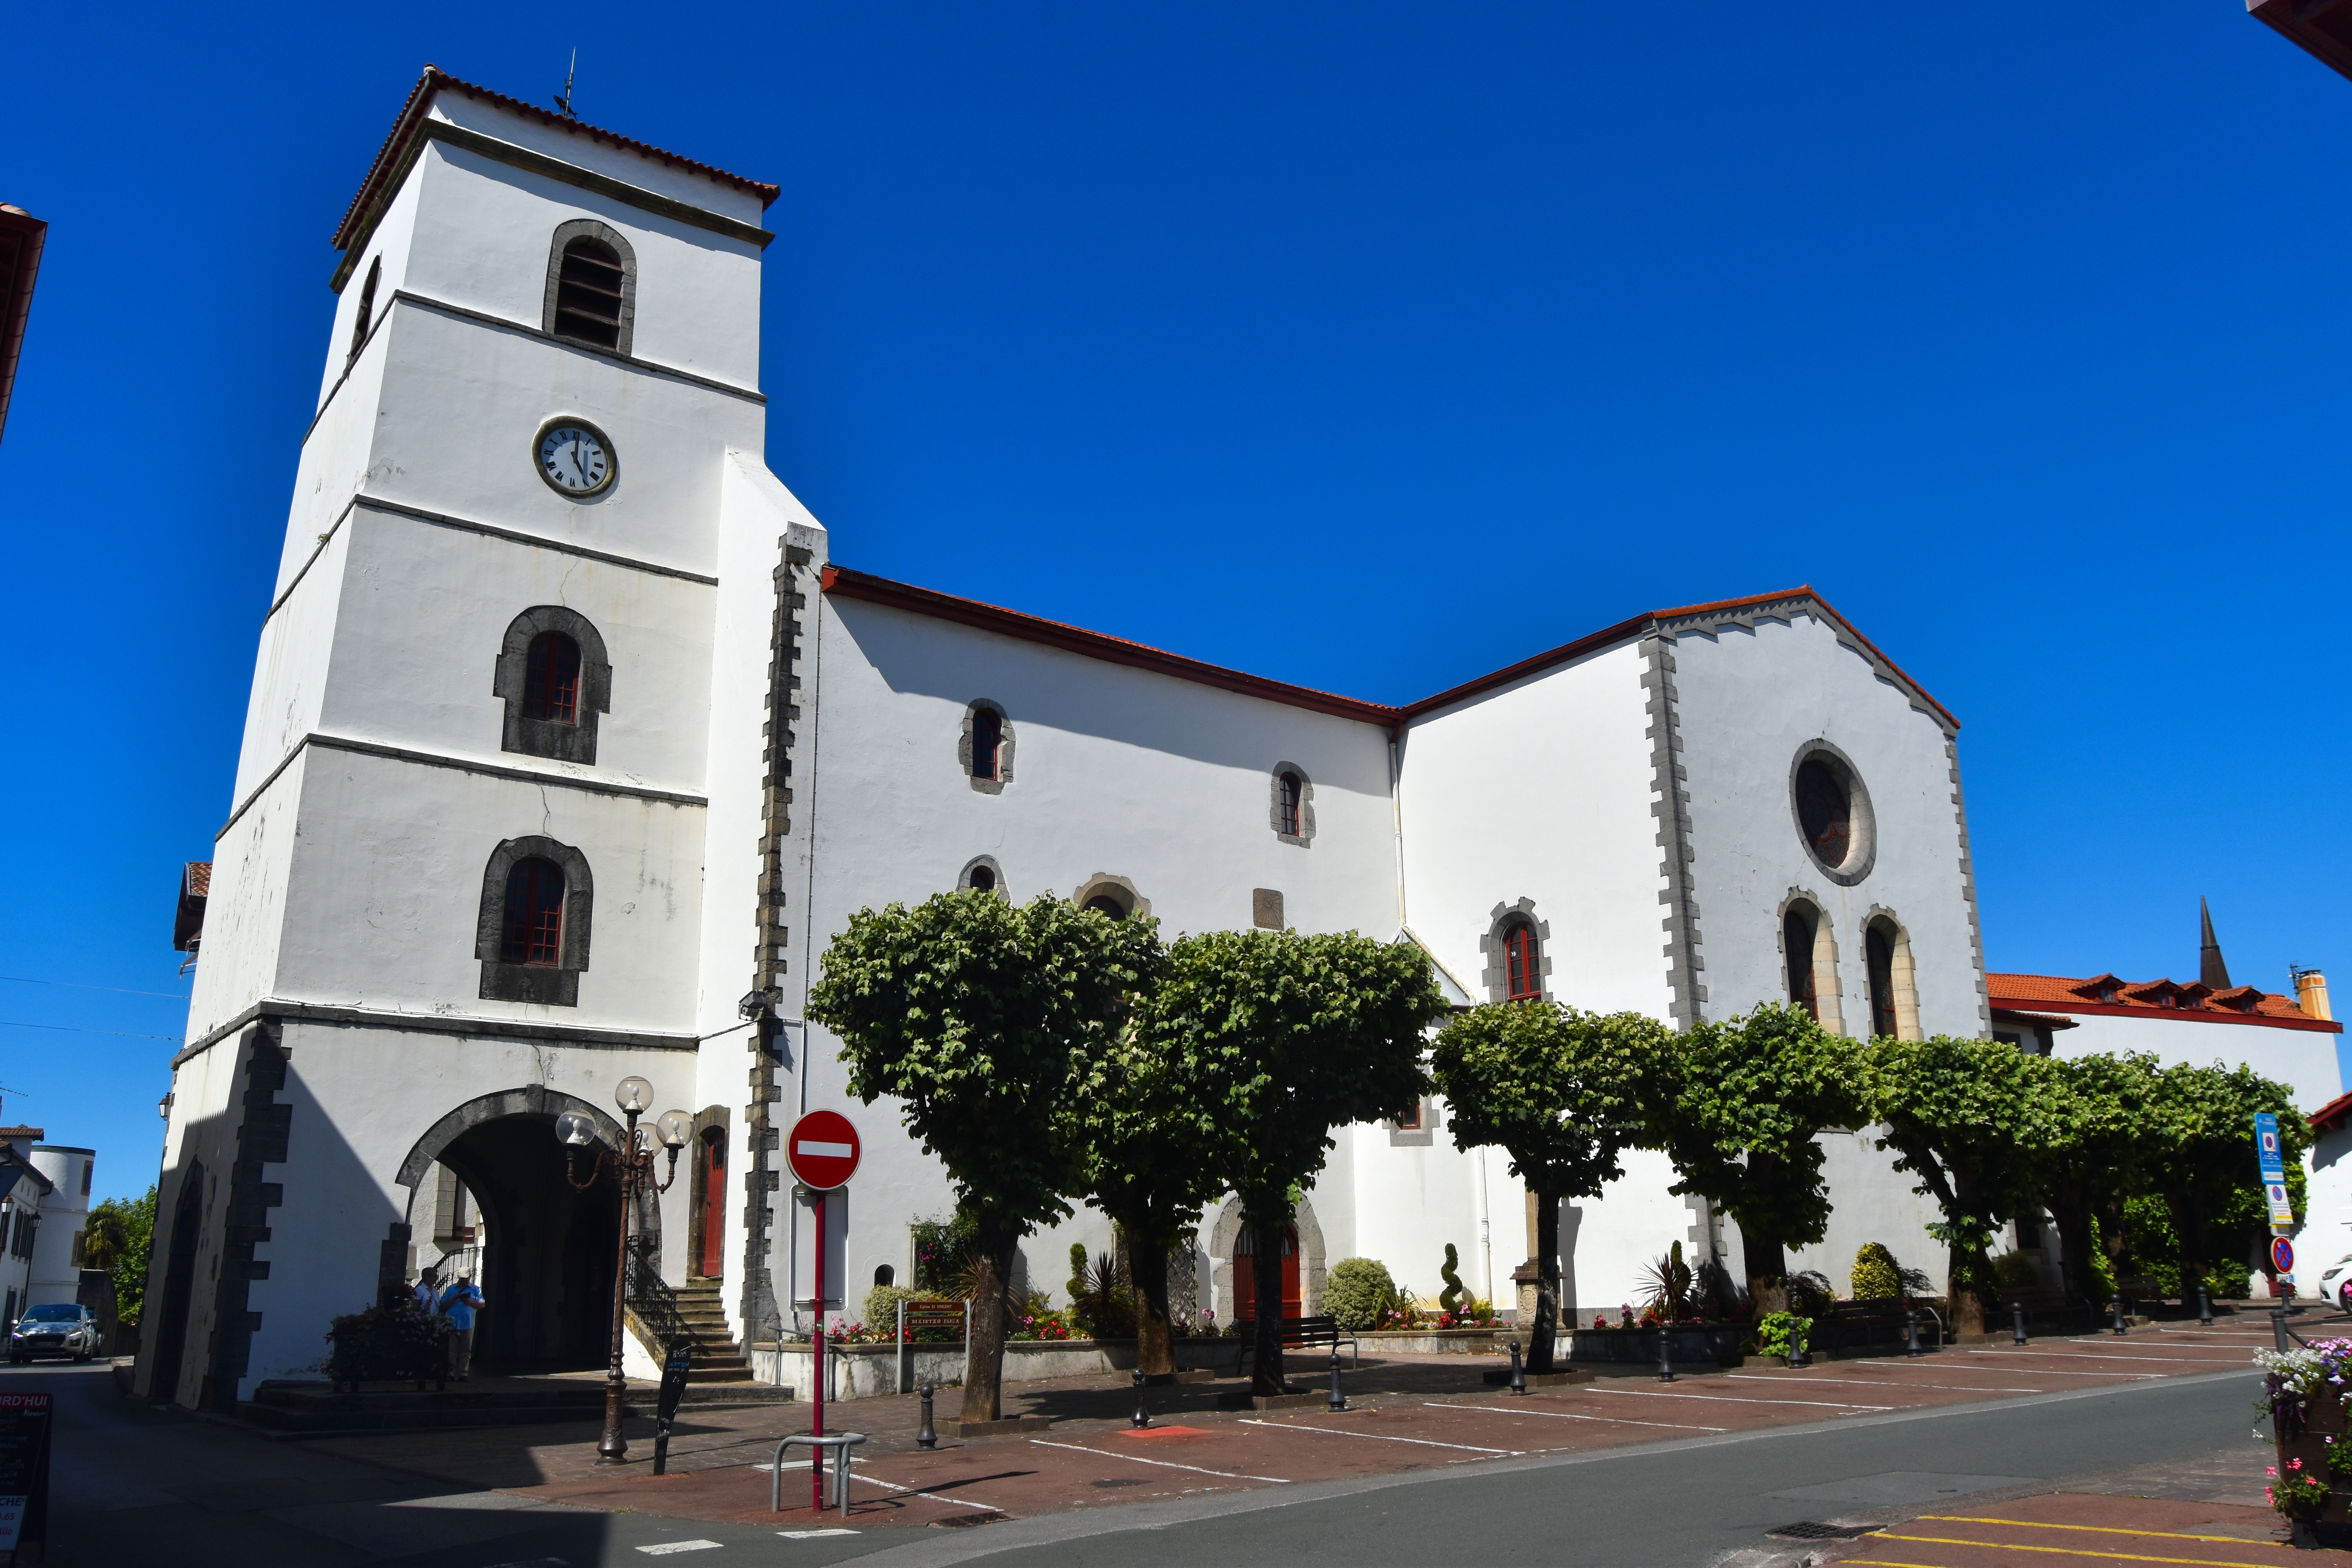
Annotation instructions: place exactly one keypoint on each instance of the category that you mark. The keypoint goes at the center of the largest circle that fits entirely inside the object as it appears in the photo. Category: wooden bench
(1297, 1333)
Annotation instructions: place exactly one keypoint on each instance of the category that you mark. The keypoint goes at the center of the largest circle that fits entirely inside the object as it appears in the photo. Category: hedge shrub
(1356, 1291)
(1876, 1276)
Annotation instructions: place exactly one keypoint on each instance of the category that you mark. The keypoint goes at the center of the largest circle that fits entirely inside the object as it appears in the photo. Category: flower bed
(1693, 1342)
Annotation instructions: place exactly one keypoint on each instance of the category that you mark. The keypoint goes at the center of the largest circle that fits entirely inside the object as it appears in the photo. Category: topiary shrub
(1356, 1291)
(882, 1307)
(1451, 1299)
(1876, 1276)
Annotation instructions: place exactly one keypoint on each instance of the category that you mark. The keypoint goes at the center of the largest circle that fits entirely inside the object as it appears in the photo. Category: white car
(2337, 1283)
(57, 1327)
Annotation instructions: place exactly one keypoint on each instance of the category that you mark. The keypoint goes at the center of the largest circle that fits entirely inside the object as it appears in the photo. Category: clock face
(574, 457)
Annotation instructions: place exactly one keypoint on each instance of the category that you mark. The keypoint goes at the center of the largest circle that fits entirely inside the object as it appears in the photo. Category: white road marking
(1384, 1437)
(1735, 1399)
(811, 1534)
(2085, 1355)
(664, 1548)
(1570, 1415)
(1863, 1382)
(1164, 1464)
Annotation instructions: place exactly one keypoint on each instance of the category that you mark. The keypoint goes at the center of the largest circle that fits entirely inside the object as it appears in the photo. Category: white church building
(570, 745)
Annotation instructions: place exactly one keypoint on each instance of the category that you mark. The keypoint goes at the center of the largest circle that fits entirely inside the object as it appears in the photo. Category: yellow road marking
(2070, 1552)
(2103, 1529)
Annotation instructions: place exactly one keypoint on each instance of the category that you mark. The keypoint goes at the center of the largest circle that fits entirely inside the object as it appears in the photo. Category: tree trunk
(2190, 1224)
(1965, 1270)
(1767, 1262)
(1265, 1269)
(984, 1388)
(1545, 1334)
(2070, 1208)
(1155, 1351)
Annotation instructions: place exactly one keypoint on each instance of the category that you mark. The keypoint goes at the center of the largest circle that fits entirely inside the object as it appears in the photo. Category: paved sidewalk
(1406, 1414)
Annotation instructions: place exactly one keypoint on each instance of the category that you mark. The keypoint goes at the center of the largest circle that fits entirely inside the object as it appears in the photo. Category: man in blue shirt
(459, 1301)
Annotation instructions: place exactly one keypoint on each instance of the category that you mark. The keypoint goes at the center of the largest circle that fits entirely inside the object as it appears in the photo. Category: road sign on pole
(822, 1150)
(2282, 1254)
(2269, 1155)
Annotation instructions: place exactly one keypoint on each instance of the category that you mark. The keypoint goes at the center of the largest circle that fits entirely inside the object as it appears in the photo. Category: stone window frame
(1828, 993)
(1862, 852)
(504, 982)
(1101, 882)
(573, 743)
(1905, 975)
(1003, 746)
(1497, 975)
(1304, 837)
(593, 228)
(964, 877)
(1421, 1136)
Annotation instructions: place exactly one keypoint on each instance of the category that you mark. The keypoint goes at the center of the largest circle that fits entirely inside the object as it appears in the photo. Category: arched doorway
(707, 1245)
(1245, 1274)
(179, 1286)
(549, 1249)
(1303, 1263)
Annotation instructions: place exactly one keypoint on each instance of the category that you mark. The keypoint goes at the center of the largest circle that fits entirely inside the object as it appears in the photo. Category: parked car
(2337, 1283)
(57, 1327)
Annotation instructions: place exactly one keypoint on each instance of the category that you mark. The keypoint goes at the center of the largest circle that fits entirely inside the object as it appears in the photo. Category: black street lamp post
(632, 1165)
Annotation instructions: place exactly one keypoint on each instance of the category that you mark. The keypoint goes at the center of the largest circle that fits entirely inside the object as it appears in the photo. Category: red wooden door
(710, 1179)
(1246, 1276)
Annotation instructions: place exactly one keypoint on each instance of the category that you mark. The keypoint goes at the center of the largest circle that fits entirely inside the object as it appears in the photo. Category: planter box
(869, 1371)
(1694, 1343)
(1439, 1341)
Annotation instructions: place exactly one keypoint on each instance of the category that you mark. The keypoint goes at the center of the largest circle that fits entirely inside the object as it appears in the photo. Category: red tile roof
(436, 80)
(843, 582)
(2335, 1111)
(200, 879)
(2063, 993)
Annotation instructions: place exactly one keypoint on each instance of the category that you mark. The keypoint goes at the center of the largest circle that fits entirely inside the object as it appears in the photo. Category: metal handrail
(651, 1297)
(840, 1443)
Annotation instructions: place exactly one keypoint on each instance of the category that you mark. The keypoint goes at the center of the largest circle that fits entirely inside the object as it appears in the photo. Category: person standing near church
(460, 1301)
(427, 1291)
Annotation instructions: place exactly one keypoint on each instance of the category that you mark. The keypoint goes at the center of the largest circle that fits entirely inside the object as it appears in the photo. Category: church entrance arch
(179, 1286)
(1303, 1263)
(548, 1250)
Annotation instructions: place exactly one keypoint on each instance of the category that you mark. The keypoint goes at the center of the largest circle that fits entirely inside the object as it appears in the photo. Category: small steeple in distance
(2211, 970)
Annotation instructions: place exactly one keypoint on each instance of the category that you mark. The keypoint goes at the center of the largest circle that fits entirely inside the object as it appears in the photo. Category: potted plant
(1784, 1334)
(2301, 1495)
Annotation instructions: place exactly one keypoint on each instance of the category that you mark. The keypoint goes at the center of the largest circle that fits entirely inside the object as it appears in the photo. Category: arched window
(588, 293)
(1522, 963)
(1878, 949)
(1287, 787)
(1798, 930)
(534, 914)
(532, 933)
(983, 879)
(551, 690)
(366, 314)
(987, 736)
(556, 679)
(1290, 811)
(591, 286)
(1108, 904)
(1112, 896)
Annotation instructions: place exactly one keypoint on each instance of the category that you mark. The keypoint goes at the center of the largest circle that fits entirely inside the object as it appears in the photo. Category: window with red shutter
(1522, 963)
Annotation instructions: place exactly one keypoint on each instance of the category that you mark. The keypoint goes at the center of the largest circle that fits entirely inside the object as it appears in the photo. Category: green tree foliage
(1561, 1093)
(1356, 1291)
(1976, 1120)
(983, 1018)
(1285, 1037)
(118, 1236)
(2200, 1123)
(1738, 1107)
(2101, 1155)
(1876, 1276)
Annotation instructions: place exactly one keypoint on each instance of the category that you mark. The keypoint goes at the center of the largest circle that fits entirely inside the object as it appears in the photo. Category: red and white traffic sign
(822, 1150)
(2282, 1254)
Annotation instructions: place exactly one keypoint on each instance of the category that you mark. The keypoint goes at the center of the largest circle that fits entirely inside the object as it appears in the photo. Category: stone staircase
(717, 1357)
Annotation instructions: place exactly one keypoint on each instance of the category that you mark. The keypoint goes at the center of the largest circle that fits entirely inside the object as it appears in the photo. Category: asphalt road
(134, 1485)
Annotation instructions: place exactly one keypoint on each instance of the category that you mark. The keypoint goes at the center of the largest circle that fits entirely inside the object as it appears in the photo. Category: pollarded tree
(1149, 1138)
(2102, 1157)
(1561, 1093)
(1738, 1106)
(1290, 1036)
(1978, 1122)
(981, 1018)
(2201, 1126)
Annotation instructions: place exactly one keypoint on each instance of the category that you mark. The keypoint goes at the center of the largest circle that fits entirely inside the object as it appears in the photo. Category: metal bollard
(2278, 1325)
(1142, 1417)
(2118, 1305)
(1518, 1373)
(1665, 1353)
(2017, 1320)
(2204, 1307)
(1911, 1331)
(1339, 1399)
(927, 1437)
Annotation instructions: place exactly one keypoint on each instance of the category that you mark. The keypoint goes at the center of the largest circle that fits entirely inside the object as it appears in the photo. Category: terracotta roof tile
(199, 884)
(2066, 994)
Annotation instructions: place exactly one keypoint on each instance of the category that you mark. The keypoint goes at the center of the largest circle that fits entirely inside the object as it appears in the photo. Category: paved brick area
(1406, 1414)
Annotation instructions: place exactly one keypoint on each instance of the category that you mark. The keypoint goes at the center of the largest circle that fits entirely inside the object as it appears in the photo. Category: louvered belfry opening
(588, 294)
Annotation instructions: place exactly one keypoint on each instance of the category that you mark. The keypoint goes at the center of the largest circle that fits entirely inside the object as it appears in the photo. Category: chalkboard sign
(24, 1470)
(674, 1367)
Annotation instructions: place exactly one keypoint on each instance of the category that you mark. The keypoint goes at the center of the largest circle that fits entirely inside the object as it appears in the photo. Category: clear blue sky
(1358, 346)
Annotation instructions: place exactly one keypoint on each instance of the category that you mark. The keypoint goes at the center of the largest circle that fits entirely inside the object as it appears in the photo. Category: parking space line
(878, 1480)
(2062, 1371)
(1735, 1399)
(1384, 1437)
(2070, 1552)
(1571, 1415)
(1163, 1464)
(2094, 1528)
(1865, 1383)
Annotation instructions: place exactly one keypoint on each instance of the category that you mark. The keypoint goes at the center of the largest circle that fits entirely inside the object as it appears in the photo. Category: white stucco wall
(65, 1214)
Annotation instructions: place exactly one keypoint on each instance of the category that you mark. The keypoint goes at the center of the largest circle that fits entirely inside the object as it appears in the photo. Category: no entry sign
(822, 1150)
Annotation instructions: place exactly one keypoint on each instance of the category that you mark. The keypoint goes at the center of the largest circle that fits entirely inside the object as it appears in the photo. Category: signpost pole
(816, 1426)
